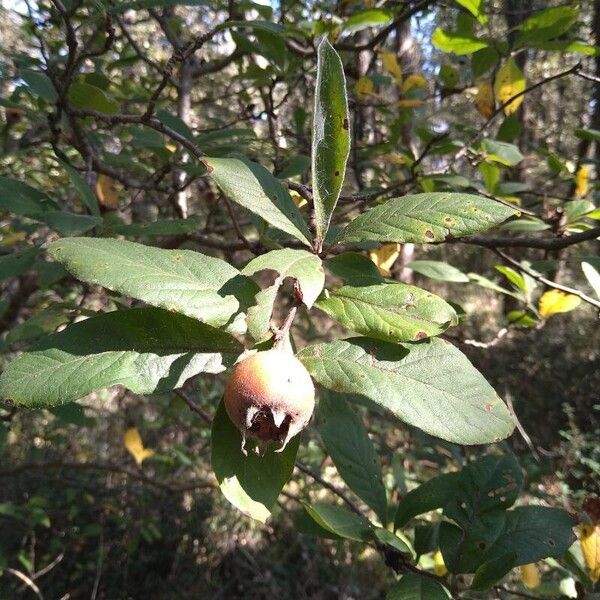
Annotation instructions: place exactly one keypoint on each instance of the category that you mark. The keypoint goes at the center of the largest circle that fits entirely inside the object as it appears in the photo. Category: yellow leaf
(133, 442)
(416, 80)
(410, 102)
(555, 301)
(438, 564)
(364, 86)
(385, 257)
(484, 100)
(509, 82)
(589, 539)
(581, 181)
(171, 147)
(392, 66)
(530, 574)
(299, 201)
(106, 191)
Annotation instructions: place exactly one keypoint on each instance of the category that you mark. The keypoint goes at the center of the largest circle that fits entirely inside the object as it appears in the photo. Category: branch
(529, 242)
(548, 282)
(463, 151)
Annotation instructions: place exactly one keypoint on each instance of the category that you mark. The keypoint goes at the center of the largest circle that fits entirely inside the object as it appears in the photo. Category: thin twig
(548, 282)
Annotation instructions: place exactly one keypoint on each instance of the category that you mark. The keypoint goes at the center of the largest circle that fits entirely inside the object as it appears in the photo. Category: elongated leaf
(39, 84)
(547, 24)
(250, 185)
(457, 43)
(12, 265)
(534, 533)
(352, 452)
(87, 96)
(430, 495)
(67, 223)
(354, 268)
(85, 191)
(366, 18)
(144, 349)
(393, 312)
(430, 385)
(251, 483)
(331, 136)
(341, 521)
(475, 7)
(21, 199)
(425, 218)
(418, 587)
(438, 270)
(188, 282)
(301, 265)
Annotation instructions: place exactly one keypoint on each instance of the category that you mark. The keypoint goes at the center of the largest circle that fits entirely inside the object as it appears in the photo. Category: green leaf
(67, 223)
(89, 97)
(298, 165)
(144, 349)
(41, 323)
(176, 124)
(393, 312)
(366, 18)
(435, 269)
(301, 265)
(15, 263)
(250, 185)
(340, 521)
(157, 228)
(492, 571)
(426, 218)
(475, 7)
(21, 199)
(487, 484)
(395, 540)
(592, 275)
(574, 46)
(85, 192)
(534, 533)
(39, 84)
(188, 282)
(588, 134)
(502, 152)
(430, 495)
(352, 452)
(331, 136)
(457, 43)
(418, 587)
(547, 24)
(483, 60)
(354, 268)
(430, 385)
(251, 483)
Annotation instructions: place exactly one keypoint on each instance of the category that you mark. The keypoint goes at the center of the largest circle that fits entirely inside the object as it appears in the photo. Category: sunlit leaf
(530, 576)
(384, 257)
(509, 82)
(581, 181)
(132, 440)
(553, 302)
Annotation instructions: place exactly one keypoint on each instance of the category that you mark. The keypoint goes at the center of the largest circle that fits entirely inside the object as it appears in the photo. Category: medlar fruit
(270, 397)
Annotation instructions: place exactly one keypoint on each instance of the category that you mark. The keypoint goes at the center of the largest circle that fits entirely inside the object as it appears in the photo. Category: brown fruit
(270, 396)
